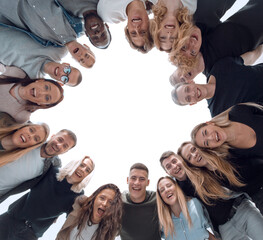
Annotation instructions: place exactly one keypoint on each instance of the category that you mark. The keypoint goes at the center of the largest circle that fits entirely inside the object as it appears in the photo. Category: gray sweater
(20, 50)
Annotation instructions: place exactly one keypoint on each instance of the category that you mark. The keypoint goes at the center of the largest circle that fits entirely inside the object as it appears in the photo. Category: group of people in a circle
(214, 187)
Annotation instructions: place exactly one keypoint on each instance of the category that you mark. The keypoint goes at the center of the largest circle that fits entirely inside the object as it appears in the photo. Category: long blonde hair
(164, 210)
(69, 169)
(223, 169)
(12, 155)
(222, 120)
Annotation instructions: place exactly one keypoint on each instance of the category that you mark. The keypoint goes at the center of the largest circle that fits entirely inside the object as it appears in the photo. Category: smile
(75, 50)
(169, 26)
(23, 138)
(136, 20)
(217, 137)
(56, 71)
(33, 92)
(94, 27)
(198, 93)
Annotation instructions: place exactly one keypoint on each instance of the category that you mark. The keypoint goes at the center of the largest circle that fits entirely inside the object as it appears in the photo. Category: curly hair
(110, 225)
(31, 106)
(183, 18)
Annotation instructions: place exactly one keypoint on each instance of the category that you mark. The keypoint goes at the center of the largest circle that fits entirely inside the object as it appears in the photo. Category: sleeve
(201, 214)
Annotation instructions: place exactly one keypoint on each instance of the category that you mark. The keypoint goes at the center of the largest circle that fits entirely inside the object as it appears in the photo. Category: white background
(122, 113)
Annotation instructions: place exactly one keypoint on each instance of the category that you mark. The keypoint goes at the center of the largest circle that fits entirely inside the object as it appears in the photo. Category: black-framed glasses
(67, 71)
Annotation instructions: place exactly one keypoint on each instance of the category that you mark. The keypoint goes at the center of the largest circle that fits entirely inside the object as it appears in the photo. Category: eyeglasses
(67, 71)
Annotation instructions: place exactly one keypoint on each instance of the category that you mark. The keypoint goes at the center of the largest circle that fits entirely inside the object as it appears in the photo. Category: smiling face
(138, 23)
(179, 77)
(193, 155)
(138, 181)
(58, 144)
(102, 202)
(40, 92)
(174, 167)
(58, 72)
(168, 32)
(28, 136)
(167, 191)
(82, 54)
(82, 171)
(210, 136)
(192, 46)
(191, 93)
(97, 31)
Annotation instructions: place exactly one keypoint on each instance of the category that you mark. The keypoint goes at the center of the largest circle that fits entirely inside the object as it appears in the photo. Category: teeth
(217, 138)
(170, 26)
(198, 93)
(178, 170)
(101, 211)
(136, 20)
(56, 71)
(168, 196)
(35, 92)
(76, 50)
(199, 159)
(23, 138)
(94, 27)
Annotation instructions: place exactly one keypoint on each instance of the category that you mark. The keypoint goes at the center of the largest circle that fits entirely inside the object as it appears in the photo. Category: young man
(35, 60)
(34, 165)
(135, 12)
(54, 23)
(32, 214)
(140, 219)
(235, 218)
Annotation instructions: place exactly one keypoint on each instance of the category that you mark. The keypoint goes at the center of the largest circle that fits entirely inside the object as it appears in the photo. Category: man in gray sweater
(140, 219)
(34, 60)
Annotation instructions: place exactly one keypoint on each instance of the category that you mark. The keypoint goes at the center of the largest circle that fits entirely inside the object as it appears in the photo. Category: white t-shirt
(27, 167)
(86, 234)
(191, 5)
(114, 11)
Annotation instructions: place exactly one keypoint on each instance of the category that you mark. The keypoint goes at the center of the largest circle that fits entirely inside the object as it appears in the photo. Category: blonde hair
(183, 18)
(222, 121)
(176, 56)
(69, 169)
(12, 155)
(222, 169)
(164, 210)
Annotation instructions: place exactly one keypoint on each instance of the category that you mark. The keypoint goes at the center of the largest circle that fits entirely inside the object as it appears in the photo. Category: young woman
(170, 15)
(19, 139)
(235, 174)
(20, 97)
(31, 215)
(96, 217)
(237, 131)
(238, 34)
(180, 217)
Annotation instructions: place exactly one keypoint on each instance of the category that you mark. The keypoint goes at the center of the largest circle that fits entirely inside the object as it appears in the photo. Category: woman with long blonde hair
(19, 139)
(179, 215)
(235, 174)
(237, 131)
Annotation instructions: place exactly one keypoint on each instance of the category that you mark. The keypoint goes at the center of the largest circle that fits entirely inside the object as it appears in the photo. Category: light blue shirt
(198, 231)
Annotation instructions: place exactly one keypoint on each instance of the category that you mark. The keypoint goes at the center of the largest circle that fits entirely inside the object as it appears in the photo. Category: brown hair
(140, 166)
(110, 225)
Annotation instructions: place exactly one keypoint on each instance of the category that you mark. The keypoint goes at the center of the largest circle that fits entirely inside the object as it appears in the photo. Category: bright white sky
(122, 113)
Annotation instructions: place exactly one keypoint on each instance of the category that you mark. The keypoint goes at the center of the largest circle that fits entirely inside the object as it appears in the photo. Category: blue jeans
(247, 223)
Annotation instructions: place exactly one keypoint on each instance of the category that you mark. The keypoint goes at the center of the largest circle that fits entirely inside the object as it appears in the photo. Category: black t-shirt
(241, 33)
(218, 211)
(252, 117)
(235, 83)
